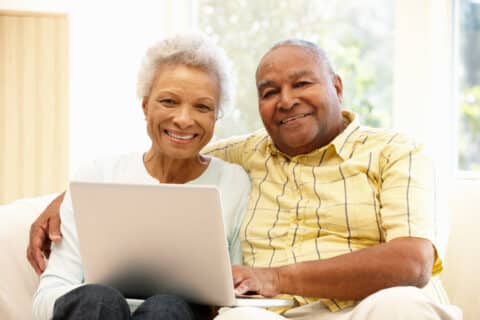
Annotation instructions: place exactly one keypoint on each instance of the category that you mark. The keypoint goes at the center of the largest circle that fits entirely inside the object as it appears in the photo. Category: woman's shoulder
(229, 173)
(108, 167)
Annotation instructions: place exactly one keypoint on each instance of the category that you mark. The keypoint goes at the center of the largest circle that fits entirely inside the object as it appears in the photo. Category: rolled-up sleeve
(407, 195)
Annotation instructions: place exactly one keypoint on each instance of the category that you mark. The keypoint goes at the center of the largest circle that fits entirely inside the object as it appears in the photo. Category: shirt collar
(343, 142)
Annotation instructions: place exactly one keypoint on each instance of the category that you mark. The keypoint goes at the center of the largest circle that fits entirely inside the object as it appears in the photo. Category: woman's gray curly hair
(196, 50)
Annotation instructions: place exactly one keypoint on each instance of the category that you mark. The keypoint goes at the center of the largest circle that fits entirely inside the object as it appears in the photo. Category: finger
(36, 232)
(242, 288)
(32, 262)
(237, 279)
(54, 229)
(238, 275)
(38, 241)
(38, 256)
(37, 246)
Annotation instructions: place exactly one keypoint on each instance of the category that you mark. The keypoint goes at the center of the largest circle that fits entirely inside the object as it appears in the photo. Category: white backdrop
(107, 42)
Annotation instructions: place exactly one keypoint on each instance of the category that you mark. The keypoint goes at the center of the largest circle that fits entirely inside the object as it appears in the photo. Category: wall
(108, 40)
(59, 6)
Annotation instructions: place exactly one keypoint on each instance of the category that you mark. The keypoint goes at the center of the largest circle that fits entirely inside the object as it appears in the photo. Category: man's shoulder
(385, 143)
(241, 142)
(382, 137)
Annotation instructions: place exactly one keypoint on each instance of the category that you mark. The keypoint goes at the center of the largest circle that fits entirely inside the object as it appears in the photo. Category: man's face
(299, 100)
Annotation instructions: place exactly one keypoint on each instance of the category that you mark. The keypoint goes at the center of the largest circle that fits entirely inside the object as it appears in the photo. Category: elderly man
(340, 216)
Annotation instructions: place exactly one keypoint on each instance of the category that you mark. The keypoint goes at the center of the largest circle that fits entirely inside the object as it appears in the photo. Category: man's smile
(295, 117)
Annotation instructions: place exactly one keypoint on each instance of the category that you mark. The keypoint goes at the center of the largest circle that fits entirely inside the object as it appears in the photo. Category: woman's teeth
(181, 137)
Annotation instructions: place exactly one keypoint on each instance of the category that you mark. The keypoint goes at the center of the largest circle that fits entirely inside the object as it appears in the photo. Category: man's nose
(287, 99)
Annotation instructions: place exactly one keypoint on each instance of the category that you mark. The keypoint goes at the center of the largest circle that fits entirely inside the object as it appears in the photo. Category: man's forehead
(288, 55)
(287, 51)
(291, 75)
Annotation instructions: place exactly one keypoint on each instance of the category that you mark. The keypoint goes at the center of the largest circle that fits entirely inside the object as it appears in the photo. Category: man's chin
(295, 147)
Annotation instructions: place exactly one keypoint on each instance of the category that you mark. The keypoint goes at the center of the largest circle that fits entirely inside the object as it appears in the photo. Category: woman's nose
(183, 118)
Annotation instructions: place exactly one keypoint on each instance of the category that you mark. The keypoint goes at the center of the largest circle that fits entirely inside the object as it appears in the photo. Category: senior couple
(339, 217)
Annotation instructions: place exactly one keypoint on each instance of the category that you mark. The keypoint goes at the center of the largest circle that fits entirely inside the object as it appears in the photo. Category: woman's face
(181, 110)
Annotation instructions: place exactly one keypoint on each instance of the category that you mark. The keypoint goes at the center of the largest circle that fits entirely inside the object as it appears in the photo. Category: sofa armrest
(18, 280)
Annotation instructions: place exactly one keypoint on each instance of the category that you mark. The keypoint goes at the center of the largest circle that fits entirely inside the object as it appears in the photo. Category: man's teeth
(303, 115)
(176, 136)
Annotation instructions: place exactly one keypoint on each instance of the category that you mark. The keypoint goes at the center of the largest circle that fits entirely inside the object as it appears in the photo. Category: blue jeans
(101, 302)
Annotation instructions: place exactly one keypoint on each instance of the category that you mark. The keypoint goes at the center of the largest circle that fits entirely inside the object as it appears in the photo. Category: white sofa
(18, 280)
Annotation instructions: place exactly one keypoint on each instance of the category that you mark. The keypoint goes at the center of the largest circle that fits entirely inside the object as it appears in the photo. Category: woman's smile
(180, 137)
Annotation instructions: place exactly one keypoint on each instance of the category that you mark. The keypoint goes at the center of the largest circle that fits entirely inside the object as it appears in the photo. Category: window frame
(459, 173)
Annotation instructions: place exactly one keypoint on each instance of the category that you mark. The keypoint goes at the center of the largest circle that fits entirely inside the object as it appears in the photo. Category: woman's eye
(204, 108)
(167, 102)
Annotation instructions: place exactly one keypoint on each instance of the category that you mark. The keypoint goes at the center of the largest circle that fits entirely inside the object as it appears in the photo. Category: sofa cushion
(460, 276)
(18, 280)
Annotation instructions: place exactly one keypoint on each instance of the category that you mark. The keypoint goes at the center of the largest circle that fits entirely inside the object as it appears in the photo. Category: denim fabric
(161, 307)
(91, 302)
(99, 302)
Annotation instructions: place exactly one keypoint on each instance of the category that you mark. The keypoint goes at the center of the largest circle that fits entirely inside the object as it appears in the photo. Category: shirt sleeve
(64, 271)
(230, 150)
(407, 194)
(242, 186)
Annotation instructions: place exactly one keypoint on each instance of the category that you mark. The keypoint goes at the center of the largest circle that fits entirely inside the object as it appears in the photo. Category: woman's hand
(42, 232)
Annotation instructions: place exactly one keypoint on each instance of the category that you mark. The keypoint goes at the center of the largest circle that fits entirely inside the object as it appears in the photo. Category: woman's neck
(168, 170)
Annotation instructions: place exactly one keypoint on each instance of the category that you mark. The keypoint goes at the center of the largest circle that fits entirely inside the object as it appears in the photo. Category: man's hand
(263, 281)
(42, 232)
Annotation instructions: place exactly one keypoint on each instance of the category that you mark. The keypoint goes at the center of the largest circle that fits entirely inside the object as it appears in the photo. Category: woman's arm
(64, 271)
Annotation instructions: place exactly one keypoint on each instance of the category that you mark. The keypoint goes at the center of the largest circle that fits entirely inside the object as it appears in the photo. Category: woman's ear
(145, 106)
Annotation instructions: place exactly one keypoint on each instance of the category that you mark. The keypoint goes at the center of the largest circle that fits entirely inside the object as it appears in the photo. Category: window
(357, 36)
(468, 84)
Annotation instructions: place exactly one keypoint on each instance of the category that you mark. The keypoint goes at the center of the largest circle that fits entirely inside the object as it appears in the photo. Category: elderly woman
(184, 86)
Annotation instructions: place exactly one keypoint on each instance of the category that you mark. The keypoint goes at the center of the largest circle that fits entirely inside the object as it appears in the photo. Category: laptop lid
(151, 239)
(148, 239)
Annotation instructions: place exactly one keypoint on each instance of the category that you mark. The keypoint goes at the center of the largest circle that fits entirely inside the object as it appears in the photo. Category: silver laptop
(151, 239)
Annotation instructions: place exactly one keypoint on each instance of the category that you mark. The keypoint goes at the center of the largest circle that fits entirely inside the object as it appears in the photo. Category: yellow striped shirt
(366, 187)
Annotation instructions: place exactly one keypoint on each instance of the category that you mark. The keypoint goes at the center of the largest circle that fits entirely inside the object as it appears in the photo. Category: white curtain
(33, 104)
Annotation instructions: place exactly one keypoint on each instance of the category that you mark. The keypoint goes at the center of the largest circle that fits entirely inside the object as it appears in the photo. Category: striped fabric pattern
(366, 187)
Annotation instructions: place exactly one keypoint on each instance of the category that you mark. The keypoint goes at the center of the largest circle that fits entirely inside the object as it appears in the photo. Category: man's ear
(337, 82)
(144, 105)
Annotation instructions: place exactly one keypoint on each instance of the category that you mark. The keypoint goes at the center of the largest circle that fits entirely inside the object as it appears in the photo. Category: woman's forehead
(187, 79)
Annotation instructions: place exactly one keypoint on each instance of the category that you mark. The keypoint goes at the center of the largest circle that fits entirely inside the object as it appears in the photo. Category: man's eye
(268, 93)
(300, 84)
